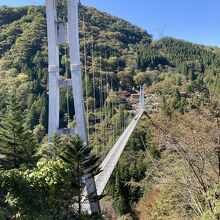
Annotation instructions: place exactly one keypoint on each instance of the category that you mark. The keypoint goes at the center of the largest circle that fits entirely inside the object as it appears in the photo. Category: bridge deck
(112, 158)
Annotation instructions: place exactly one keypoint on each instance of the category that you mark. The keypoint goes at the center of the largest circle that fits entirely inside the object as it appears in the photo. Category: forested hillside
(170, 168)
(126, 52)
(23, 51)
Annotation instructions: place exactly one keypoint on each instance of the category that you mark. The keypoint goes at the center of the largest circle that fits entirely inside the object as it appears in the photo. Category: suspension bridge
(67, 33)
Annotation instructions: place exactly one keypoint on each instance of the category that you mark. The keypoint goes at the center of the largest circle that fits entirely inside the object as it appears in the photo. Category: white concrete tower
(53, 67)
(67, 34)
(141, 97)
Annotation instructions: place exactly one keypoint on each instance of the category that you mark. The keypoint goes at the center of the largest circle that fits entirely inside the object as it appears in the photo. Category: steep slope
(23, 52)
(179, 51)
(191, 62)
(23, 34)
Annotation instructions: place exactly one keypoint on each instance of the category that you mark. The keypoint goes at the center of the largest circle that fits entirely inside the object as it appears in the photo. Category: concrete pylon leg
(141, 97)
(73, 28)
(53, 63)
(55, 38)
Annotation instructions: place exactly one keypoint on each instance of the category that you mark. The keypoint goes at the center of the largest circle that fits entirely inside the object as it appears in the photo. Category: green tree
(165, 108)
(141, 78)
(44, 192)
(80, 160)
(119, 200)
(126, 78)
(176, 101)
(17, 141)
(192, 76)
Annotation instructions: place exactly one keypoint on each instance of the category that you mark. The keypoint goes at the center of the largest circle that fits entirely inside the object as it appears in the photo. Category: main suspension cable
(86, 76)
(93, 85)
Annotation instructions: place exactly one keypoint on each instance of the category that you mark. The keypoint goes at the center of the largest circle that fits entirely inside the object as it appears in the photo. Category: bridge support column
(141, 98)
(53, 62)
(59, 34)
(73, 28)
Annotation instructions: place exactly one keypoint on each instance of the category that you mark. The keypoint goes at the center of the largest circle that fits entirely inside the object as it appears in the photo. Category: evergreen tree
(165, 108)
(33, 115)
(141, 168)
(183, 106)
(119, 201)
(78, 156)
(184, 69)
(192, 76)
(179, 104)
(176, 102)
(17, 142)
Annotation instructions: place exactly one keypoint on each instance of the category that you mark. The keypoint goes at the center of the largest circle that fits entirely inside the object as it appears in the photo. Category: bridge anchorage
(68, 34)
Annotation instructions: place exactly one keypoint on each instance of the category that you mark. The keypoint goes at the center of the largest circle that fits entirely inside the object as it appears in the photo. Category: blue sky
(193, 20)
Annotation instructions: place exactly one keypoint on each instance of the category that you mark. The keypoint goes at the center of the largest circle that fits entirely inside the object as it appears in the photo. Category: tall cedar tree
(17, 141)
(78, 156)
(176, 102)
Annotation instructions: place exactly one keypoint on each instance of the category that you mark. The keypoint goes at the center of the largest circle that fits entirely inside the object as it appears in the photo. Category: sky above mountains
(197, 21)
